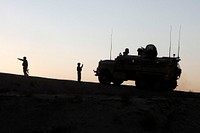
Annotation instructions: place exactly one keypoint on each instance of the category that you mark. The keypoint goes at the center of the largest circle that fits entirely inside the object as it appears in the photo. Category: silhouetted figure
(140, 51)
(25, 65)
(79, 69)
(126, 52)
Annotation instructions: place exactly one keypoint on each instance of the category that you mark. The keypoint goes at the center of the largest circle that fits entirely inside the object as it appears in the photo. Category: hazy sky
(56, 34)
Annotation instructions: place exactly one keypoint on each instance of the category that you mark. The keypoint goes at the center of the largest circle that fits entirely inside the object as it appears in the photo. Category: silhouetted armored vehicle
(146, 69)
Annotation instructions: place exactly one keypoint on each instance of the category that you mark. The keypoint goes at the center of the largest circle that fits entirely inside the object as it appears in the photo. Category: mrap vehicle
(146, 69)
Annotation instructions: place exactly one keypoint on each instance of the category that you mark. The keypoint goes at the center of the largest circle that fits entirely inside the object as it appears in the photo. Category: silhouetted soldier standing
(25, 65)
(79, 69)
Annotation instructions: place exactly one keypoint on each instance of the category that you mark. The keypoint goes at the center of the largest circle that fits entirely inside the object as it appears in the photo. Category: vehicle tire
(141, 83)
(171, 85)
(117, 82)
(105, 77)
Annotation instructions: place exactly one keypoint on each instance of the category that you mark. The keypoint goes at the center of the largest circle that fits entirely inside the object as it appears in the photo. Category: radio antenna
(170, 44)
(179, 41)
(111, 44)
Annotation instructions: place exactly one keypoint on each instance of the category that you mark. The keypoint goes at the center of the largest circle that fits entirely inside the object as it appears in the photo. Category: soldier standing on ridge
(25, 65)
(79, 69)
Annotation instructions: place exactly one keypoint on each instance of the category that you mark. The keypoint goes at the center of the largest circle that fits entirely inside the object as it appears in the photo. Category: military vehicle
(146, 69)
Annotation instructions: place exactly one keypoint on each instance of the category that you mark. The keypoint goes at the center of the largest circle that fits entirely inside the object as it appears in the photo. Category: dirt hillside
(42, 105)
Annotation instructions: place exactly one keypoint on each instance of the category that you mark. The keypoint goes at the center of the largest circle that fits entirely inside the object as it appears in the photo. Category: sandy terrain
(40, 105)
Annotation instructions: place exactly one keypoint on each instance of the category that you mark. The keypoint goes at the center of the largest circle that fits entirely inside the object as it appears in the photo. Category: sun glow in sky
(56, 34)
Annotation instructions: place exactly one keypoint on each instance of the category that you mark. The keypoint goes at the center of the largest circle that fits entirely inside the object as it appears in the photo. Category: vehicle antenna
(111, 45)
(179, 41)
(170, 44)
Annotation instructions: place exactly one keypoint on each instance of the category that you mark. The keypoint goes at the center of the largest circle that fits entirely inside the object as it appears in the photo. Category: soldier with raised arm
(25, 65)
(79, 69)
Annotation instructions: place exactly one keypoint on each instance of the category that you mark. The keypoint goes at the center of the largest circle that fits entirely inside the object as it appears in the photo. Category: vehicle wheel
(117, 82)
(105, 78)
(141, 83)
(171, 85)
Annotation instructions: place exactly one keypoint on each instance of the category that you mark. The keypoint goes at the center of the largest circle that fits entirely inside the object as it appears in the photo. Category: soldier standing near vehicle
(25, 65)
(79, 69)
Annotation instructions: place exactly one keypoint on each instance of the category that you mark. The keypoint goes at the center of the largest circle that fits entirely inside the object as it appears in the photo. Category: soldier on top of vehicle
(126, 52)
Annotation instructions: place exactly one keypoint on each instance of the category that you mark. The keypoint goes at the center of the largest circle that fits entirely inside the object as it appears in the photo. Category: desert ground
(42, 105)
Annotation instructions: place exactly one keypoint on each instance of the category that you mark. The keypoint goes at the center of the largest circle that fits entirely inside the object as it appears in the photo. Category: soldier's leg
(25, 71)
(79, 77)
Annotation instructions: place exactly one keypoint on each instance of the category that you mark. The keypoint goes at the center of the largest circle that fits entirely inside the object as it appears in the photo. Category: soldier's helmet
(126, 52)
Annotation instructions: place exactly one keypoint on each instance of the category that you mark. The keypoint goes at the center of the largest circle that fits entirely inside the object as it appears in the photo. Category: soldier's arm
(20, 59)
